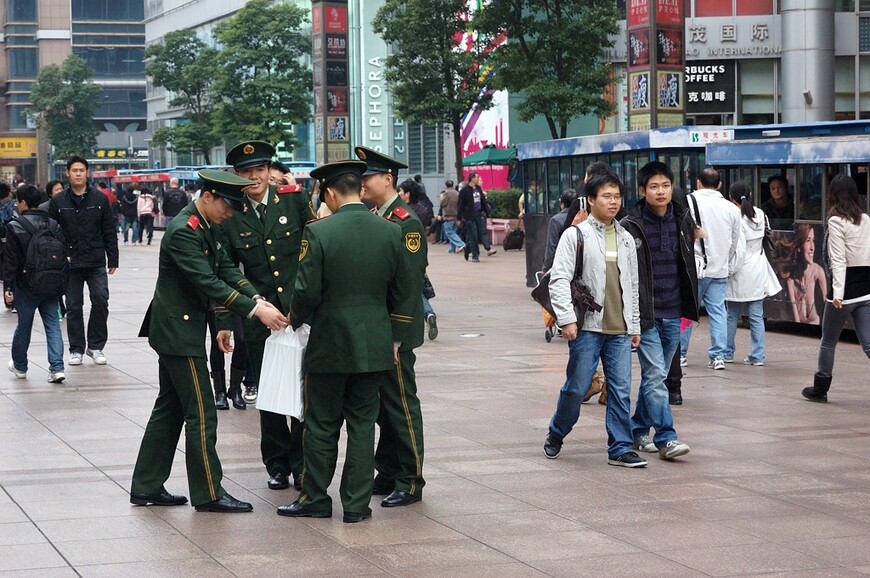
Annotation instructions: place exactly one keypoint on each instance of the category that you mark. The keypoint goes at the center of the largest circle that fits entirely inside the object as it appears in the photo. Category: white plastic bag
(281, 377)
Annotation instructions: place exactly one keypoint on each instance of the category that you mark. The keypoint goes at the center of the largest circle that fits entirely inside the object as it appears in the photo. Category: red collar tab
(401, 213)
(193, 222)
(283, 189)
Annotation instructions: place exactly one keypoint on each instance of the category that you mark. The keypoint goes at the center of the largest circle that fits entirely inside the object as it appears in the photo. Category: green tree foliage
(435, 73)
(65, 98)
(552, 56)
(187, 68)
(264, 87)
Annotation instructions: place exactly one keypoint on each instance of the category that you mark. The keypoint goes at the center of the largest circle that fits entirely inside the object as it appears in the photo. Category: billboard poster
(640, 121)
(336, 100)
(638, 47)
(318, 129)
(638, 13)
(797, 261)
(336, 19)
(316, 18)
(338, 129)
(670, 94)
(336, 73)
(336, 46)
(639, 89)
(670, 46)
(669, 12)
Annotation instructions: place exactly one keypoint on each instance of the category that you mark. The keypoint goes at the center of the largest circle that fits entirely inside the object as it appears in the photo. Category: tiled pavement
(774, 485)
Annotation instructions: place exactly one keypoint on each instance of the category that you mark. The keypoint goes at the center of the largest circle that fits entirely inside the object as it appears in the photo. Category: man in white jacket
(610, 273)
(720, 220)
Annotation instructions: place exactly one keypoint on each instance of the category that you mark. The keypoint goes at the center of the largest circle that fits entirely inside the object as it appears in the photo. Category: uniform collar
(382, 210)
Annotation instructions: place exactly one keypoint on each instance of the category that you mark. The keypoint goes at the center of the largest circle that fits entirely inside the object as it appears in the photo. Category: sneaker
(56, 376)
(474, 260)
(673, 449)
(491, 252)
(627, 460)
(748, 361)
(18, 374)
(552, 446)
(250, 394)
(645, 444)
(75, 359)
(716, 363)
(728, 360)
(97, 355)
(433, 326)
(684, 361)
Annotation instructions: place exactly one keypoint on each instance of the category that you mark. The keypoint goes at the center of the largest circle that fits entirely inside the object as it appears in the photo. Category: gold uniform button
(268, 241)
(280, 289)
(276, 273)
(287, 234)
(272, 258)
(186, 317)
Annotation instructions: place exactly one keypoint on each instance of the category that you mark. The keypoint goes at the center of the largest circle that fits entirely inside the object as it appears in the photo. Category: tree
(435, 72)
(65, 99)
(264, 87)
(187, 68)
(552, 56)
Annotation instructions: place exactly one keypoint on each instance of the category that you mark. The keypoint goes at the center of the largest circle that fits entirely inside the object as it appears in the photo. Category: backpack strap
(698, 223)
(578, 260)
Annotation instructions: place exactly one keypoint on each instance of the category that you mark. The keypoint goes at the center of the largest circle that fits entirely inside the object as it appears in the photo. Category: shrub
(504, 203)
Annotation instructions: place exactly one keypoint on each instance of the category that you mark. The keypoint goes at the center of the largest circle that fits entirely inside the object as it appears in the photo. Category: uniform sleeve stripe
(233, 296)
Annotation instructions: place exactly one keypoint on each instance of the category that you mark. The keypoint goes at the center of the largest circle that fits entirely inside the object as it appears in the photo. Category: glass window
(21, 11)
(111, 10)
(779, 208)
(122, 103)
(534, 187)
(16, 117)
(810, 192)
(113, 62)
(756, 81)
(864, 5)
(754, 7)
(713, 8)
(864, 34)
(23, 62)
(553, 187)
(844, 5)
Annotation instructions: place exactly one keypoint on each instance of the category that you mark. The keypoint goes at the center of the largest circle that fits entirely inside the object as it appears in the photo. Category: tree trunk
(552, 124)
(457, 147)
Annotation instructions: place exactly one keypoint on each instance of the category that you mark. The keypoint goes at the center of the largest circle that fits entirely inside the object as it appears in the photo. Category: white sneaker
(75, 359)
(18, 374)
(684, 361)
(56, 376)
(97, 356)
(673, 449)
(716, 363)
(645, 444)
(748, 361)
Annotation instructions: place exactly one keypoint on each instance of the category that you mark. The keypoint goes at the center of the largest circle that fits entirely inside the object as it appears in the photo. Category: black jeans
(98, 288)
(146, 225)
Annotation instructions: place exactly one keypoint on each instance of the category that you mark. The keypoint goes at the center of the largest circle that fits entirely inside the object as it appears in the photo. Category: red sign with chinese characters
(336, 19)
(669, 12)
(638, 13)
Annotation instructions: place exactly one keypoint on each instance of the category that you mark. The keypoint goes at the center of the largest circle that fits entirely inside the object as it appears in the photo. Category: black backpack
(46, 266)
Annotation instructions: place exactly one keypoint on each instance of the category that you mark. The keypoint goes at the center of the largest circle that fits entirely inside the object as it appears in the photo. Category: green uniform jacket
(268, 252)
(193, 268)
(416, 255)
(353, 290)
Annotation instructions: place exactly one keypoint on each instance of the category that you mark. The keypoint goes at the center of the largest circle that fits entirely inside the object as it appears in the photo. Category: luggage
(514, 240)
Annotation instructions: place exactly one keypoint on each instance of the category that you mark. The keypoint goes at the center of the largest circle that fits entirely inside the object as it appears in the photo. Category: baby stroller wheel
(548, 335)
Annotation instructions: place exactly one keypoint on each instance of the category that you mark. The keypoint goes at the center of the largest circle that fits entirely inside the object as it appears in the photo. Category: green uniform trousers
(185, 399)
(330, 399)
(399, 456)
(280, 446)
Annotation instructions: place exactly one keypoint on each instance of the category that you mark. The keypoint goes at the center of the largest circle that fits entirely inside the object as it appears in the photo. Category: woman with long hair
(846, 254)
(797, 266)
(753, 278)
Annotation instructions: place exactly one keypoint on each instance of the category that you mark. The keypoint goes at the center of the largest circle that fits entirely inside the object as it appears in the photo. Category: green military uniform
(267, 247)
(356, 303)
(399, 454)
(193, 268)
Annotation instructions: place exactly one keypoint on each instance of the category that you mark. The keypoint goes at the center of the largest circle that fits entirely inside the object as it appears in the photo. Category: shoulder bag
(700, 260)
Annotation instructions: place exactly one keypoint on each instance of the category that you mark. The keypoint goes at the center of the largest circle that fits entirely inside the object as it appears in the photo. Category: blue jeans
(427, 309)
(756, 328)
(712, 293)
(131, 222)
(27, 304)
(98, 287)
(583, 355)
(655, 352)
(449, 231)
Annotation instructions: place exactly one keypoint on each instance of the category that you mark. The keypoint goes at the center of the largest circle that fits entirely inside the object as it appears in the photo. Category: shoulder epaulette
(317, 219)
(283, 189)
(193, 222)
(401, 213)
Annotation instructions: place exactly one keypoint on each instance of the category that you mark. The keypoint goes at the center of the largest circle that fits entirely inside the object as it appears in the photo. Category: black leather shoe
(675, 398)
(354, 517)
(162, 499)
(220, 401)
(236, 396)
(399, 498)
(297, 510)
(278, 481)
(226, 504)
(297, 482)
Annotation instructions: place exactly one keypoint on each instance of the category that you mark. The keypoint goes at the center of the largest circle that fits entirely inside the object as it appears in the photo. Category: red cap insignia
(282, 189)
(193, 222)
(401, 213)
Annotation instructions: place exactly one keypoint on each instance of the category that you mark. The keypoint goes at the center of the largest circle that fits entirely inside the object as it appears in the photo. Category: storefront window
(756, 79)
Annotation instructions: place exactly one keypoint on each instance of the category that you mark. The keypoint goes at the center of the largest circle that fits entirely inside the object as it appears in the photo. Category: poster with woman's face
(797, 260)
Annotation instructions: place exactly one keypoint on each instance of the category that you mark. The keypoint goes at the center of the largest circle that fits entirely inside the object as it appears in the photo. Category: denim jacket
(594, 274)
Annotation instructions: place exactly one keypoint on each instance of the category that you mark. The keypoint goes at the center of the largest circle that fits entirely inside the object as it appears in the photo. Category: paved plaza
(774, 485)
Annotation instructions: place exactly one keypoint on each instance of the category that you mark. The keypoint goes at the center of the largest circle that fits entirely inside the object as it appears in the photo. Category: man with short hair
(88, 226)
(471, 210)
(449, 199)
(17, 291)
(130, 212)
(720, 220)
(174, 199)
(663, 232)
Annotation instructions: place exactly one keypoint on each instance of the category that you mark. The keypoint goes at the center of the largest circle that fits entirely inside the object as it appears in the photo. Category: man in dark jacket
(470, 212)
(88, 227)
(663, 232)
(130, 212)
(174, 200)
(17, 291)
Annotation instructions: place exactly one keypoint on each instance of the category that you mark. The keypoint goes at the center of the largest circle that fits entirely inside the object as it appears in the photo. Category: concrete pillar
(807, 71)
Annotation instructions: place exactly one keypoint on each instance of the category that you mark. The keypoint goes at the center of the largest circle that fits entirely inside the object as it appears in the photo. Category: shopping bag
(281, 376)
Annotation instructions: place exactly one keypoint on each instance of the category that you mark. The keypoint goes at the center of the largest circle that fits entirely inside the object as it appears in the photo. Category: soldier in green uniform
(359, 307)
(265, 238)
(193, 268)
(399, 455)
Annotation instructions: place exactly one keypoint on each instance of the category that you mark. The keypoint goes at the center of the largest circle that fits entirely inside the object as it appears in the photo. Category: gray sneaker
(97, 355)
(627, 460)
(673, 449)
(645, 444)
(552, 446)
(716, 363)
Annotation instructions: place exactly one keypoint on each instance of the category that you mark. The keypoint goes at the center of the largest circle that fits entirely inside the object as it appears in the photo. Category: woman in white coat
(752, 278)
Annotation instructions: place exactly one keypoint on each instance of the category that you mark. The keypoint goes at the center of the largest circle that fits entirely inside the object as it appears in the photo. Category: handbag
(700, 260)
(428, 289)
(281, 375)
(766, 241)
(581, 296)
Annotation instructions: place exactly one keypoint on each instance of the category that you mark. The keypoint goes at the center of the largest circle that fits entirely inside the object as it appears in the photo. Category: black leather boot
(219, 382)
(235, 390)
(819, 391)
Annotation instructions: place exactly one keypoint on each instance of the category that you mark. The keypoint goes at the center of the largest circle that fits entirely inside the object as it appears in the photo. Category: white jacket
(753, 277)
(848, 246)
(594, 274)
(720, 219)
